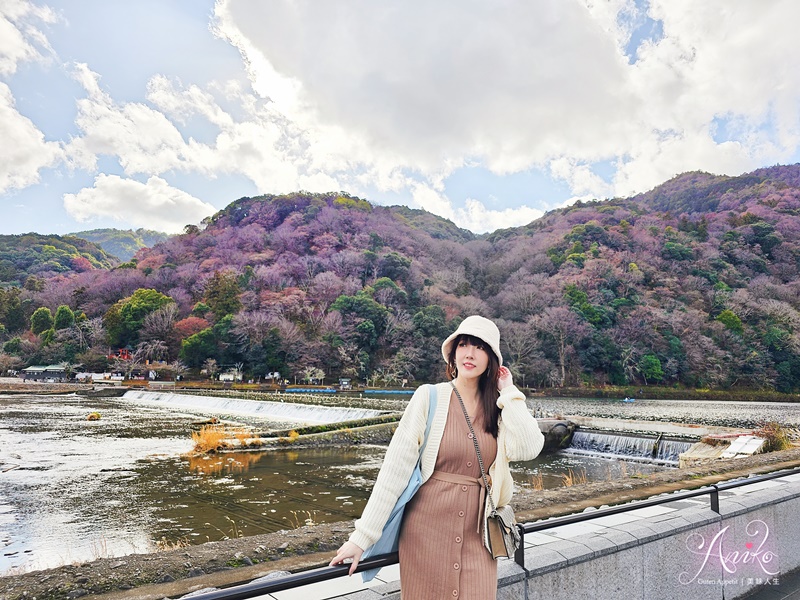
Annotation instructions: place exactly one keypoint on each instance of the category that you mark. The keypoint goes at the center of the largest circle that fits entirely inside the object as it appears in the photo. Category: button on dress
(441, 546)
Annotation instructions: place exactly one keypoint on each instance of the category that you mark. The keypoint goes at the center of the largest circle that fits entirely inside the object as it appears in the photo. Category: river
(73, 490)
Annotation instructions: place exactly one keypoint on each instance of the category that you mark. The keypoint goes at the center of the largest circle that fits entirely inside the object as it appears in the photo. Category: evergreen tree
(41, 320)
(222, 294)
(64, 317)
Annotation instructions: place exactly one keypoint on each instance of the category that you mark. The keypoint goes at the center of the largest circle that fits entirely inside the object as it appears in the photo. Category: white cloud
(435, 82)
(616, 18)
(143, 139)
(580, 177)
(23, 151)
(20, 39)
(426, 197)
(359, 96)
(476, 217)
(262, 145)
(181, 105)
(153, 205)
(426, 87)
(730, 61)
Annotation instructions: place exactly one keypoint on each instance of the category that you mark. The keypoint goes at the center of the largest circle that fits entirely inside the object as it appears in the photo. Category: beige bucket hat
(481, 328)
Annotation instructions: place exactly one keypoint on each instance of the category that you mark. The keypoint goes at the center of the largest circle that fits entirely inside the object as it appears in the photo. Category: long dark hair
(487, 384)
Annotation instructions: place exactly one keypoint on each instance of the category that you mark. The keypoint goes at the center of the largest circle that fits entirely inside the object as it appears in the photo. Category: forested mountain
(694, 283)
(45, 255)
(122, 243)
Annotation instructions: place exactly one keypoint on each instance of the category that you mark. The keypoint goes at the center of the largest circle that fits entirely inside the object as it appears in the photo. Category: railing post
(715, 499)
(519, 555)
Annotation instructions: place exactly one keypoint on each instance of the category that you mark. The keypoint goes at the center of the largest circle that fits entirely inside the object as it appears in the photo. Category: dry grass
(100, 548)
(290, 439)
(711, 441)
(776, 435)
(574, 478)
(164, 544)
(256, 441)
(210, 438)
(246, 437)
(536, 482)
(241, 434)
(234, 533)
(297, 520)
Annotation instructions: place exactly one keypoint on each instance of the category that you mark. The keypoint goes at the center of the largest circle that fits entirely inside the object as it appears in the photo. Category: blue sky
(158, 113)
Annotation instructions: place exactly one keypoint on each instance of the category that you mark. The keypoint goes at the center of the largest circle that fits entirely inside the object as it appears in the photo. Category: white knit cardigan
(518, 438)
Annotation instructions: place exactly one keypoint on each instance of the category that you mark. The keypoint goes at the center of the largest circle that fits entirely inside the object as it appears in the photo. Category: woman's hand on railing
(348, 550)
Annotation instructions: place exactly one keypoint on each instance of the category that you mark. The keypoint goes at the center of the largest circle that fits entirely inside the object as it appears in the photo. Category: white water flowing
(630, 447)
(306, 414)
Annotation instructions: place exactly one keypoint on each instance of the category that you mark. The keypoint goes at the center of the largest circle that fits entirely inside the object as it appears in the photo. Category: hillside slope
(122, 243)
(46, 255)
(694, 282)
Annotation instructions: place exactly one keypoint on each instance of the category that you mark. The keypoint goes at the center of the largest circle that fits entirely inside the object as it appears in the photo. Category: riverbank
(182, 570)
(13, 385)
(666, 393)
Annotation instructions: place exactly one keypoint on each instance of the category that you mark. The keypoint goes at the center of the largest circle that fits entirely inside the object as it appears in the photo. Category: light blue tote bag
(391, 531)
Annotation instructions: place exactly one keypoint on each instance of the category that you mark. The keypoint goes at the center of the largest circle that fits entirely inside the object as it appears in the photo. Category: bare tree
(178, 367)
(312, 374)
(152, 349)
(521, 345)
(565, 329)
(398, 325)
(88, 333)
(251, 328)
(238, 370)
(126, 366)
(9, 362)
(211, 367)
(158, 324)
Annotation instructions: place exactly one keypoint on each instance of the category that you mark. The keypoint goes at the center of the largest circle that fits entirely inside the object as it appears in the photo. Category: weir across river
(275, 411)
(655, 449)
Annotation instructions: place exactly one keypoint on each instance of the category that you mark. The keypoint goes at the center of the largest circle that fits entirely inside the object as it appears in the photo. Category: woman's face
(472, 357)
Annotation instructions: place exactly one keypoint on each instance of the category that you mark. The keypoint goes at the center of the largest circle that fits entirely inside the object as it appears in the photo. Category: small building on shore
(47, 374)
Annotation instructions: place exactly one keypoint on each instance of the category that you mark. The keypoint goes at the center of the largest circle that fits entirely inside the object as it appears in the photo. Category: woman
(442, 553)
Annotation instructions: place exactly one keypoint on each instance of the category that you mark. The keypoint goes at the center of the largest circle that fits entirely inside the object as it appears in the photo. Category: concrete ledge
(696, 553)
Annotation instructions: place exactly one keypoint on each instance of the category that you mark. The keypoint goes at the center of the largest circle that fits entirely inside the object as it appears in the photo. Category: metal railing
(251, 590)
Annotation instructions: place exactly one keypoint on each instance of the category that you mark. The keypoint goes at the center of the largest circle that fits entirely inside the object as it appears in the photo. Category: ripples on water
(745, 415)
(73, 490)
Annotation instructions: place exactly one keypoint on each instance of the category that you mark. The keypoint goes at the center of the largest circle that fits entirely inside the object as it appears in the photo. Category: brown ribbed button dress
(441, 548)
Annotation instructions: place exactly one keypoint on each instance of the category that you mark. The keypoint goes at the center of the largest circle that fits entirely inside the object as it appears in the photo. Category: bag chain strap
(477, 448)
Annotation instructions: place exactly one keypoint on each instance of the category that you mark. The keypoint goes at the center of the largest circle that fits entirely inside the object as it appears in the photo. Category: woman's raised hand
(504, 378)
(348, 550)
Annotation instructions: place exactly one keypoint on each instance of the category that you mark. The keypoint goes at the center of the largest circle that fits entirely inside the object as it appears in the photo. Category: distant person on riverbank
(441, 539)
